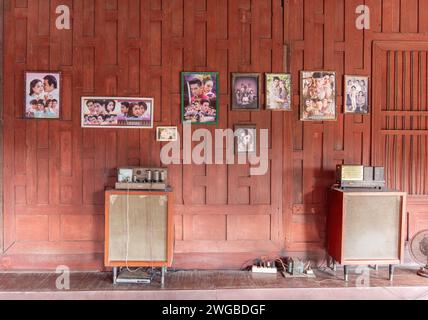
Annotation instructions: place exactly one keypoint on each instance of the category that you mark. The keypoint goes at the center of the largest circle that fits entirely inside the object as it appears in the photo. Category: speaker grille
(372, 227)
(147, 233)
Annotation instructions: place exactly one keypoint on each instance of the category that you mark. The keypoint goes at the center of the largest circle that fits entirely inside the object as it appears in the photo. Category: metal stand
(117, 280)
(346, 273)
(164, 271)
(332, 264)
(115, 273)
(375, 267)
(391, 272)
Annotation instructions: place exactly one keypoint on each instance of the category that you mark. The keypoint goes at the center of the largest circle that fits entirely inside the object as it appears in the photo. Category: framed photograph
(166, 134)
(42, 95)
(278, 91)
(246, 138)
(112, 112)
(318, 96)
(246, 91)
(199, 102)
(356, 94)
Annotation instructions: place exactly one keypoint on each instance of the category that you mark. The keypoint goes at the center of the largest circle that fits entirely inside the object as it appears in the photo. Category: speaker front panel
(372, 227)
(138, 228)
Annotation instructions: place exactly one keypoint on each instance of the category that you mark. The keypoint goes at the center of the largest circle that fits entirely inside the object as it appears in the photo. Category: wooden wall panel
(55, 173)
(323, 35)
(135, 48)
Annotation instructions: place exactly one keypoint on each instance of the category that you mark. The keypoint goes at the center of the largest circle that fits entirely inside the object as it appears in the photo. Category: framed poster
(246, 138)
(42, 95)
(356, 94)
(166, 134)
(112, 112)
(199, 101)
(246, 91)
(278, 91)
(318, 96)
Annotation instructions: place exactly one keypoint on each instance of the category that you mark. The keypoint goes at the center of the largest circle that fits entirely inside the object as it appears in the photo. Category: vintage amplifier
(355, 176)
(137, 178)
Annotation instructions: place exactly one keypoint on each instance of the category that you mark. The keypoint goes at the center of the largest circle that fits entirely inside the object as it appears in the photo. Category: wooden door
(400, 114)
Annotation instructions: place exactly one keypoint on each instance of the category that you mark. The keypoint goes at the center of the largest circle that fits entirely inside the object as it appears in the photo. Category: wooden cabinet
(366, 227)
(138, 229)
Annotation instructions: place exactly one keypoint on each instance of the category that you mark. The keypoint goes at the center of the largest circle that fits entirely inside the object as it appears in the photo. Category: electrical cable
(149, 217)
(149, 221)
(128, 235)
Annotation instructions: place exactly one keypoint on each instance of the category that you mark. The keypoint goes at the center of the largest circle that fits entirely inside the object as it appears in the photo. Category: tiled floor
(215, 285)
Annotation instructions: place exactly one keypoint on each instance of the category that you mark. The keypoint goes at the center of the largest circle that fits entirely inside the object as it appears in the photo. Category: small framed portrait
(199, 101)
(278, 91)
(246, 138)
(42, 95)
(318, 96)
(112, 112)
(356, 94)
(166, 134)
(246, 91)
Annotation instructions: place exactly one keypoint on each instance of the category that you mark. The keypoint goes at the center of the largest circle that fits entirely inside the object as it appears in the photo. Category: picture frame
(356, 95)
(278, 92)
(246, 92)
(199, 98)
(245, 139)
(166, 134)
(42, 97)
(318, 96)
(117, 112)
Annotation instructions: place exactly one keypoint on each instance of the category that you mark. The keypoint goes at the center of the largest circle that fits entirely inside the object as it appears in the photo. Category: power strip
(133, 281)
(266, 270)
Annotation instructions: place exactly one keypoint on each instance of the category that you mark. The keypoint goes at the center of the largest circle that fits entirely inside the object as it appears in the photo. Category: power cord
(128, 235)
(149, 221)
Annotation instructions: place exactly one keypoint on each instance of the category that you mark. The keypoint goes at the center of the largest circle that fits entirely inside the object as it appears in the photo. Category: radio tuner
(355, 176)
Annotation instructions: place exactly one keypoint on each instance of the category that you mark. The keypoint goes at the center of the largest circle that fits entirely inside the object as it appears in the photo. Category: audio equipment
(354, 176)
(136, 178)
(138, 229)
(366, 227)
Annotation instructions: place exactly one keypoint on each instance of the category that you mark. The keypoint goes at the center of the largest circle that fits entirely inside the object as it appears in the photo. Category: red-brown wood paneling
(323, 35)
(55, 189)
(55, 173)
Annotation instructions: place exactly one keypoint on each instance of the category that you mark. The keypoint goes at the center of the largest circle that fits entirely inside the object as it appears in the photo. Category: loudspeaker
(138, 229)
(366, 227)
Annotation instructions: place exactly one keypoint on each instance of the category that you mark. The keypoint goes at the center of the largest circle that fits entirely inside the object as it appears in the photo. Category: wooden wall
(1, 127)
(323, 35)
(55, 173)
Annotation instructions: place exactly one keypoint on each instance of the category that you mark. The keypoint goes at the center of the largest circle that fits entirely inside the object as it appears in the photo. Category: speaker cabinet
(138, 229)
(366, 227)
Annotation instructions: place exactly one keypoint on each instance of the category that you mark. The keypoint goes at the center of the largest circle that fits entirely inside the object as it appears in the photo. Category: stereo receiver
(355, 176)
